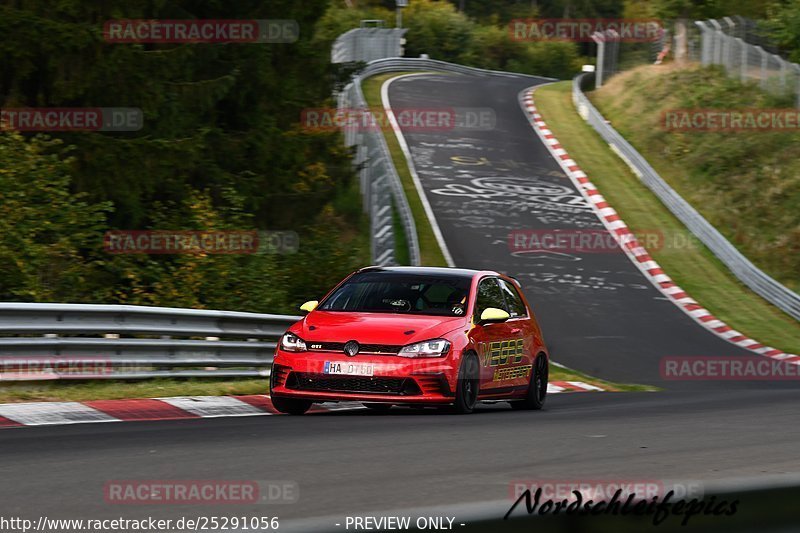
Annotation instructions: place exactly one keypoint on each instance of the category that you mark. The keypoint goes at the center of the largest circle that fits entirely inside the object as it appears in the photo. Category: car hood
(374, 328)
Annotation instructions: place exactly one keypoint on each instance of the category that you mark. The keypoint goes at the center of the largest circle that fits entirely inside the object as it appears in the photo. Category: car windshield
(391, 292)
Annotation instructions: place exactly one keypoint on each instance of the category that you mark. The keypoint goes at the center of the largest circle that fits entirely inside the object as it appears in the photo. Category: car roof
(439, 271)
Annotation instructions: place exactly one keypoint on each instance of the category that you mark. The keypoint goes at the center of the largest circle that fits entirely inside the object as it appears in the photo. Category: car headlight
(434, 348)
(292, 343)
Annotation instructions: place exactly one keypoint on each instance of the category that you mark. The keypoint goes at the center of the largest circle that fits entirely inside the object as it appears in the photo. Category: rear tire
(468, 386)
(380, 407)
(537, 389)
(291, 406)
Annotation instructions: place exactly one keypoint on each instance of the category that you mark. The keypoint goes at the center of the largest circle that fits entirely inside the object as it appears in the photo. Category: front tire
(537, 389)
(290, 406)
(469, 381)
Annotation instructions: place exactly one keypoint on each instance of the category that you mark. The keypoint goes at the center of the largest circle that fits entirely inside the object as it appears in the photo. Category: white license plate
(348, 369)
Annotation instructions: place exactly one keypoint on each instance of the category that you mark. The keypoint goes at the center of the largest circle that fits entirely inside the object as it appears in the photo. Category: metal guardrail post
(717, 49)
(764, 59)
(706, 43)
(797, 85)
(745, 59)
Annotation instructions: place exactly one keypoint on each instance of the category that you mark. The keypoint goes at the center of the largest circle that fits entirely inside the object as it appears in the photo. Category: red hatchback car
(414, 336)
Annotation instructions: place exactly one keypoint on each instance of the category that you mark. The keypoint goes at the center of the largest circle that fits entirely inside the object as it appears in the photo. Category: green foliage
(221, 148)
(494, 48)
(44, 230)
(503, 11)
(703, 9)
(783, 24)
(438, 29)
(337, 20)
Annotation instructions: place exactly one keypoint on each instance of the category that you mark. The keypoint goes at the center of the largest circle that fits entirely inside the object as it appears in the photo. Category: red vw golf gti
(414, 336)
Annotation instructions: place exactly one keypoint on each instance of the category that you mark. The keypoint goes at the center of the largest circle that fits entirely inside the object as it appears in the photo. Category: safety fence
(78, 341)
(724, 42)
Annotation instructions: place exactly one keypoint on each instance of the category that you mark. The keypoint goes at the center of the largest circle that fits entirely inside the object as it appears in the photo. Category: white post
(599, 38)
(745, 58)
(399, 5)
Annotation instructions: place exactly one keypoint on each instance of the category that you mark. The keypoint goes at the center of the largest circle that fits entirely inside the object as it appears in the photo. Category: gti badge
(351, 348)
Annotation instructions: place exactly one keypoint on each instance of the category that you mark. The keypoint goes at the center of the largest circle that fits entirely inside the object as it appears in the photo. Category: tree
(47, 234)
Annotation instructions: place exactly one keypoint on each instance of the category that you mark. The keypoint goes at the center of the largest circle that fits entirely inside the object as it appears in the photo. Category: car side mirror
(491, 315)
(309, 306)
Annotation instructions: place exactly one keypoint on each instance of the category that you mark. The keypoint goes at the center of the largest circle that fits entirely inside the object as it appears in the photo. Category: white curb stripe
(212, 406)
(590, 193)
(50, 413)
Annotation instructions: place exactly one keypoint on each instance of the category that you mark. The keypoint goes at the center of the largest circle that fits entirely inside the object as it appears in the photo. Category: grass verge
(72, 391)
(78, 391)
(692, 267)
(745, 182)
(429, 251)
(560, 373)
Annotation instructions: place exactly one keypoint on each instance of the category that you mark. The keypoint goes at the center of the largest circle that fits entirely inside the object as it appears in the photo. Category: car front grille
(371, 385)
(373, 349)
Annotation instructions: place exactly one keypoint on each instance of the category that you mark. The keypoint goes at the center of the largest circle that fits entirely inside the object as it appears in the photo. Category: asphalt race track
(354, 462)
(599, 314)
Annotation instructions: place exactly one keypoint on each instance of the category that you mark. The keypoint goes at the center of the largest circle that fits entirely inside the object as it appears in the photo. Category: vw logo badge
(351, 348)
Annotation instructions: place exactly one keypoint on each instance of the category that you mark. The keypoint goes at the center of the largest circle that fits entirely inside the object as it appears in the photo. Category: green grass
(561, 373)
(694, 268)
(745, 183)
(164, 387)
(429, 250)
(401, 252)
(113, 390)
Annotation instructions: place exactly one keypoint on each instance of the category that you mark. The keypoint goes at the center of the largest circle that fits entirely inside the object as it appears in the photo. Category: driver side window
(489, 295)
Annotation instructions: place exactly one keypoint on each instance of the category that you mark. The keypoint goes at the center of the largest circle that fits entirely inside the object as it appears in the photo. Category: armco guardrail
(380, 183)
(741, 267)
(55, 341)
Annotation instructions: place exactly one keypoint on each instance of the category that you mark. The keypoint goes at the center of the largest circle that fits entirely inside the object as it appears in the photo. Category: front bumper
(394, 380)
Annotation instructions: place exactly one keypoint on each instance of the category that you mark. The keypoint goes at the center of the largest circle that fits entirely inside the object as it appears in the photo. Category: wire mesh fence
(725, 43)
(733, 43)
(615, 54)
